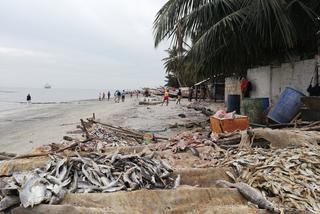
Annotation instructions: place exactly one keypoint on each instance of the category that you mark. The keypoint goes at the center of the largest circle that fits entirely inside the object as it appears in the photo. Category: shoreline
(36, 125)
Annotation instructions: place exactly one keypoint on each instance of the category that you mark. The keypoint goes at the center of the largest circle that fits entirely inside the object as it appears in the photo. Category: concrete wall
(261, 81)
(232, 87)
(271, 81)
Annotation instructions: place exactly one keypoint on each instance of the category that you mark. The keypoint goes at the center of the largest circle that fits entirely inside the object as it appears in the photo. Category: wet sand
(31, 126)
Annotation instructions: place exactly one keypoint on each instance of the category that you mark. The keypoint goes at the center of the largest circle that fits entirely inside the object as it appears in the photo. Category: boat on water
(47, 86)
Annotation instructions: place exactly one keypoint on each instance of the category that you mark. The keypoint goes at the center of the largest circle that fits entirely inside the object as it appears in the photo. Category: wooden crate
(229, 125)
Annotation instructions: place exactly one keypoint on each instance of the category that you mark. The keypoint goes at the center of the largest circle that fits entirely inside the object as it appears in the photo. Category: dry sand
(35, 125)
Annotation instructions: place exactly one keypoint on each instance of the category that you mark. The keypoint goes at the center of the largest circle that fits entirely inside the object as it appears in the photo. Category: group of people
(119, 96)
(102, 96)
(200, 93)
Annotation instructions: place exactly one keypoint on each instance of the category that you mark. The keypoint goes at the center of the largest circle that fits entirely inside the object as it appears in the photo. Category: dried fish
(251, 194)
(9, 201)
(91, 172)
(291, 174)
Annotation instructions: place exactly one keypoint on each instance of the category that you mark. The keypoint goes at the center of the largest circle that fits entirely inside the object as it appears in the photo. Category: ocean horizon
(14, 97)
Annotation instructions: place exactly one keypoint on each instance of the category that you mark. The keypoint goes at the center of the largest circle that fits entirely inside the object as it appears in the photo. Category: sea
(12, 98)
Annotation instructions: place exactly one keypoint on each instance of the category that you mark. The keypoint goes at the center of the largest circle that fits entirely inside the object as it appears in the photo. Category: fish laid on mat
(92, 172)
(290, 175)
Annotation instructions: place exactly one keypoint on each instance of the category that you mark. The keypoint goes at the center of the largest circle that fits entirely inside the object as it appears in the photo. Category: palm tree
(180, 66)
(231, 35)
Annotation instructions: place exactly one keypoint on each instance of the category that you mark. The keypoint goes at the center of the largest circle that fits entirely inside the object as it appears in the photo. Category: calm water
(11, 98)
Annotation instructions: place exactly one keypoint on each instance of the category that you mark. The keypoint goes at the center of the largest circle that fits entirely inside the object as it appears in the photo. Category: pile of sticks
(6, 156)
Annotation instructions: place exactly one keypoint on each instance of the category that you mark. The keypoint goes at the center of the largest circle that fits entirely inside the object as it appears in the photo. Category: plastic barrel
(233, 103)
(265, 103)
(255, 109)
(287, 106)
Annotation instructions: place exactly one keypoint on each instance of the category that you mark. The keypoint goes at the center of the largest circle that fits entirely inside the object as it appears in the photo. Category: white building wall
(260, 79)
(271, 81)
(232, 87)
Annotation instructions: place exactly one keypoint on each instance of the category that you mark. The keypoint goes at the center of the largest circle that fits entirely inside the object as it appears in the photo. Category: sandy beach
(28, 127)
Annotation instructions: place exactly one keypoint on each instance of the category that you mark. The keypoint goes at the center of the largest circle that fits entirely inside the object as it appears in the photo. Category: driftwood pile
(109, 134)
(6, 156)
(100, 136)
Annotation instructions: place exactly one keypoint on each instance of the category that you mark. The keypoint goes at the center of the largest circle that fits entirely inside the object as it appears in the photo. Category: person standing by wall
(246, 87)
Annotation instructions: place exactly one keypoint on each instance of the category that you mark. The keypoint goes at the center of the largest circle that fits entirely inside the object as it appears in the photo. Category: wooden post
(196, 93)
(85, 129)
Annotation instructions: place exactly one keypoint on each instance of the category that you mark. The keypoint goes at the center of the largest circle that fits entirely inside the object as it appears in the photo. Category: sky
(80, 44)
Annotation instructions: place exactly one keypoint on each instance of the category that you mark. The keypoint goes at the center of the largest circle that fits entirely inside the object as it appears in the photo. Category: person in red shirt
(166, 97)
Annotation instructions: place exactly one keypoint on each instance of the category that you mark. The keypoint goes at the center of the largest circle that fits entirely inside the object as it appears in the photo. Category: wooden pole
(50, 153)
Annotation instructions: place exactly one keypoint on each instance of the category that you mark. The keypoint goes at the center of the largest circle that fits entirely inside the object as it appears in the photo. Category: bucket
(255, 109)
(287, 106)
(233, 103)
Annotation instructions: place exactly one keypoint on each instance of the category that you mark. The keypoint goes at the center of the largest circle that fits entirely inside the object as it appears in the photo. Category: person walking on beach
(103, 96)
(179, 96)
(123, 96)
(166, 97)
(118, 96)
(28, 98)
(108, 95)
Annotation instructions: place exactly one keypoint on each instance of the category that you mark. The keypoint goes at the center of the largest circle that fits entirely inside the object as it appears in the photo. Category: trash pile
(87, 173)
(291, 175)
(200, 107)
(185, 140)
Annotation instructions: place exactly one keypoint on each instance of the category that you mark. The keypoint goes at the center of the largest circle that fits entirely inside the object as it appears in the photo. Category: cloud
(16, 52)
(104, 43)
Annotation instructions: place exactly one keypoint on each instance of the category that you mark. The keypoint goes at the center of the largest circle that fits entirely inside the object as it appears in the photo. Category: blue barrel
(265, 103)
(233, 103)
(255, 109)
(287, 106)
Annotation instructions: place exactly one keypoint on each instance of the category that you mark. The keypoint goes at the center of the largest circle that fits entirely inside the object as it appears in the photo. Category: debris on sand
(183, 141)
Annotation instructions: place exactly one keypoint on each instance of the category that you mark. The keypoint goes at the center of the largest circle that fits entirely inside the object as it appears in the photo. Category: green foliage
(171, 81)
(181, 67)
(229, 36)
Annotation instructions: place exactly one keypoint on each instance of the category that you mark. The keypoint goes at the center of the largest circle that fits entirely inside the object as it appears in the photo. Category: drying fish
(292, 174)
(195, 152)
(251, 194)
(9, 201)
(92, 172)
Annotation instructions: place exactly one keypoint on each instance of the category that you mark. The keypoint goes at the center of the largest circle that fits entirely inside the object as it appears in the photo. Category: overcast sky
(79, 43)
